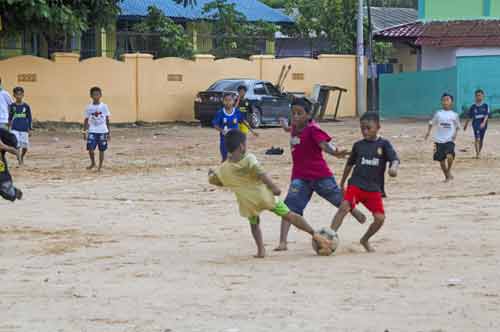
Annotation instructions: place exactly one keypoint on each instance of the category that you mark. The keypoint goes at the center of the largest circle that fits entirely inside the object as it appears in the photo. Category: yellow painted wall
(138, 88)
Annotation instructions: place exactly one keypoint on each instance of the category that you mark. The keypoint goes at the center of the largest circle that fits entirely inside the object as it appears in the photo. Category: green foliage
(171, 37)
(234, 35)
(334, 20)
(56, 20)
(275, 3)
(382, 52)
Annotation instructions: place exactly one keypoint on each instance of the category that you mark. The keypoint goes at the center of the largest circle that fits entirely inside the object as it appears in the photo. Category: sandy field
(148, 245)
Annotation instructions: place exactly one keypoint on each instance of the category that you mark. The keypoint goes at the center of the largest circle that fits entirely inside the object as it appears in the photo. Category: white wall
(477, 51)
(435, 58)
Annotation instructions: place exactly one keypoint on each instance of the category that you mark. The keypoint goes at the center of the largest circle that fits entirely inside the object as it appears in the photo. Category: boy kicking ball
(255, 191)
(368, 157)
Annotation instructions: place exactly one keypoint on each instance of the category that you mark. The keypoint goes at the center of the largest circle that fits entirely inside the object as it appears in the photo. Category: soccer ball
(331, 235)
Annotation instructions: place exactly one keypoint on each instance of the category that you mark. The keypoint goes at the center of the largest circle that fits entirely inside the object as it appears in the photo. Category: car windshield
(226, 86)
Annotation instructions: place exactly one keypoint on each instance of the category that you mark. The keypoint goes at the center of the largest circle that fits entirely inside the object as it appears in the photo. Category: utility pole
(361, 77)
(371, 62)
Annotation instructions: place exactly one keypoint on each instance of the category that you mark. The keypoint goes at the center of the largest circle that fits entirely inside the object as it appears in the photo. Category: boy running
(20, 122)
(8, 143)
(447, 123)
(255, 191)
(226, 119)
(96, 127)
(479, 114)
(310, 172)
(242, 105)
(368, 157)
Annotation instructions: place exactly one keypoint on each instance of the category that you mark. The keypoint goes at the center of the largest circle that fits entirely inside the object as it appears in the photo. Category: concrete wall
(407, 58)
(415, 94)
(142, 89)
(434, 58)
(452, 9)
(474, 73)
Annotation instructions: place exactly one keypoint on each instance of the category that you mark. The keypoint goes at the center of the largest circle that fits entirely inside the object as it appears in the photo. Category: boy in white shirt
(96, 127)
(447, 122)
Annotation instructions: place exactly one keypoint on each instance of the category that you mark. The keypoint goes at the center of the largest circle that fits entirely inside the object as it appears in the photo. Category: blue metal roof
(254, 10)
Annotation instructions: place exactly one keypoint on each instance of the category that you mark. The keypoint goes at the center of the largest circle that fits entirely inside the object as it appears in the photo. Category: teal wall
(458, 9)
(416, 94)
(481, 72)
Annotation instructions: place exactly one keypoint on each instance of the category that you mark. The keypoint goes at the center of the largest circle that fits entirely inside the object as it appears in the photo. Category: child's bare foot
(90, 167)
(261, 253)
(282, 247)
(323, 242)
(367, 245)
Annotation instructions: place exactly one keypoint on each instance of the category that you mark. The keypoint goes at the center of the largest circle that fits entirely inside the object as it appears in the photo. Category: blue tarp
(254, 10)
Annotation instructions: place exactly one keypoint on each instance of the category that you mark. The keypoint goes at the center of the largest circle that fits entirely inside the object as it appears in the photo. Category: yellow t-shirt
(242, 178)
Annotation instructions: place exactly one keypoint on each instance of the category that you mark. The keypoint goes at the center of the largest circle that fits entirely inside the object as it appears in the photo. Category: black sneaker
(275, 151)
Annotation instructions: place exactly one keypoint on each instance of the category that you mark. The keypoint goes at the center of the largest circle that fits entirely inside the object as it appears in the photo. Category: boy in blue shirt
(20, 122)
(226, 119)
(479, 114)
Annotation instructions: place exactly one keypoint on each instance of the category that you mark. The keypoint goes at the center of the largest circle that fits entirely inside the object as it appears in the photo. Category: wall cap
(262, 57)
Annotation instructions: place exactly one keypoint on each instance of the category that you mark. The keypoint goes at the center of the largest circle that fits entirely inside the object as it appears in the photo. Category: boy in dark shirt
(20, 122)
(479, 114)
(368, 157)
(8, 143)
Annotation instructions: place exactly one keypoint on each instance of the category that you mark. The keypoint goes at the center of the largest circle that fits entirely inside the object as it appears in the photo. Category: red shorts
(372, 200)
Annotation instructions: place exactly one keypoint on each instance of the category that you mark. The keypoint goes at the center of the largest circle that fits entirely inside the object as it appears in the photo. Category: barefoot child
(478, 113)
(96, 127)
(368, 157)
(226, 119)
(20, 122)
(8, 143)
(242, 105)
(310, 172)
(254, 189)
(447, 123)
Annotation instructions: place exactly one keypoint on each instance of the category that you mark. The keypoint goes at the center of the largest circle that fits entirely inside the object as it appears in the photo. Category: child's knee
(379, 218)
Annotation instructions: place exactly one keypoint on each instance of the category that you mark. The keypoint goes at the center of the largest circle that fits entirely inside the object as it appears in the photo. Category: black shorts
(9, 192)
(442, 150)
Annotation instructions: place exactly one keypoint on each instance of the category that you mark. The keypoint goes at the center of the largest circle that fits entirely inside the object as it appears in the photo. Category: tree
(57, 20)
(173, 41)
(234, 35)
(275, 3)
(334, 20)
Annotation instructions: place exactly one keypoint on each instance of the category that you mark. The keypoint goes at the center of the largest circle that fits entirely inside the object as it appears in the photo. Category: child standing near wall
(20, 122)
(479, 114)
(96, 127)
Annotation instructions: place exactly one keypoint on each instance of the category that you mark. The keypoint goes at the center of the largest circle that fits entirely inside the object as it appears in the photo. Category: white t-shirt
(97, 118)
(5, 101)
(447, 123)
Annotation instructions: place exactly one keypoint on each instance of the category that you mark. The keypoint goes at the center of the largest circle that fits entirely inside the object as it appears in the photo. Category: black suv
(266, 103)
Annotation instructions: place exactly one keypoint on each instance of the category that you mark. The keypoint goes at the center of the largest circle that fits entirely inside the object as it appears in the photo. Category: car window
(273, 91)
(260, 89)
(225, 86)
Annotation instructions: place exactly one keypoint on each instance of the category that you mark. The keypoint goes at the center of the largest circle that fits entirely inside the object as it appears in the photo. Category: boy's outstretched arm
(85, 128)
(466, 123)
(245, 122)
(393, 169)
(213, 179)
(347, 172)
(270, 184)
(10, 149)
(429, 128)
(333, 150)
(284, 125)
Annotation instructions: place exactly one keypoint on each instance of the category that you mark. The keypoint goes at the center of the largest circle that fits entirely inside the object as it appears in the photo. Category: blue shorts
(301, 191)
(478, 132)
(222, 147)
(97, 140)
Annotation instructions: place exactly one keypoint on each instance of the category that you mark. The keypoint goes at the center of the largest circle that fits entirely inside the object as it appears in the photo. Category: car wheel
(255, 118)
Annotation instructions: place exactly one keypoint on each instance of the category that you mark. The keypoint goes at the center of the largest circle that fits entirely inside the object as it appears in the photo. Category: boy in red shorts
(368, 158)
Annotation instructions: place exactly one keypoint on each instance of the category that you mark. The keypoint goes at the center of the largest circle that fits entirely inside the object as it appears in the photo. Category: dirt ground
(148, 245)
